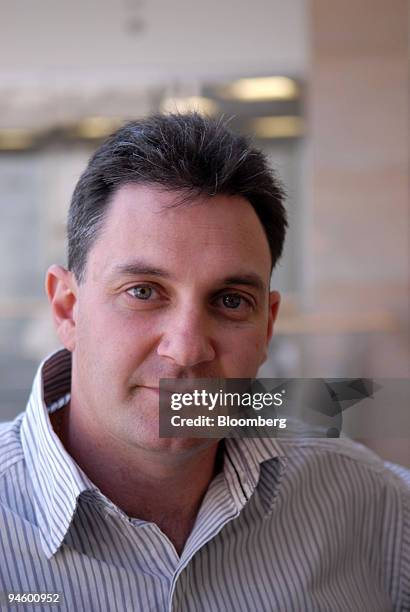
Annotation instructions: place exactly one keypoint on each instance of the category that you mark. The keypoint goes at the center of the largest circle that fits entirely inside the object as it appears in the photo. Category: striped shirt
(300, 525)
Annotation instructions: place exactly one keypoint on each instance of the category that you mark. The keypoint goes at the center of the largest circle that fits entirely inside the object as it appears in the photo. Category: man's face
(168, 292)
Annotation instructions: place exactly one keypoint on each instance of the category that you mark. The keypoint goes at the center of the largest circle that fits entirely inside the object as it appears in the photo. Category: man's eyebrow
(250, 279)
(138, 267)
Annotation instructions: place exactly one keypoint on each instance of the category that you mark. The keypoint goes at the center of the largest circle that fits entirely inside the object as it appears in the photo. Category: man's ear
(61, 288)
(274, 302)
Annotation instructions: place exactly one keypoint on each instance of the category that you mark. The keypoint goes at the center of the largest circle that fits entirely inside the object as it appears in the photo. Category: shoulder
(338, 450)
(361, 500)
(348, 464)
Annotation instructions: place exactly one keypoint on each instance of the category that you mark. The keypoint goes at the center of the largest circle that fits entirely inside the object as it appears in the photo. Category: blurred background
(320, 85)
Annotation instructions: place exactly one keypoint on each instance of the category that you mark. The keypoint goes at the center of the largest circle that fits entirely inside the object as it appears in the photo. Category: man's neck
(158, 487)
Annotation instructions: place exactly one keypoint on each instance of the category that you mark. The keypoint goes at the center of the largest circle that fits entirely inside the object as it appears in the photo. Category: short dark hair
(189, 153)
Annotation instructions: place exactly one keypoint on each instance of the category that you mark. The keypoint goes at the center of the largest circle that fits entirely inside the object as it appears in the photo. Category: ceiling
(60, 61)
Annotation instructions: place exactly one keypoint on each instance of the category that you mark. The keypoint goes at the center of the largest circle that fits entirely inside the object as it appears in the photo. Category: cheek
(118, 342)
(242, 351)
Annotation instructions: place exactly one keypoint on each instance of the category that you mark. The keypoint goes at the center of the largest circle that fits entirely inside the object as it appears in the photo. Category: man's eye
(234, 301)
(141, 292)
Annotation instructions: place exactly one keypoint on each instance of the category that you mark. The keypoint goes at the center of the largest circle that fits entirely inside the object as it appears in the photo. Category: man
(173, 231)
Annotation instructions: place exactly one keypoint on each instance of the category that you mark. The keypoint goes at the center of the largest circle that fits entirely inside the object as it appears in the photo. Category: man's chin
(142, 429)
(151, 443)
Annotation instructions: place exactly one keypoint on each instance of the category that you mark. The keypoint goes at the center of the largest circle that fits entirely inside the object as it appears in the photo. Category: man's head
(173, 231)
(188, 154)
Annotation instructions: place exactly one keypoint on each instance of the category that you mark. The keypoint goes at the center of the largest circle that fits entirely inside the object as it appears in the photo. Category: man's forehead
(135, 202)
(151, 231)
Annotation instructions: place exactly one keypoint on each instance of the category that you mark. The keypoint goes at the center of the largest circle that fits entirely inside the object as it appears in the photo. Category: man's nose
(187, 339)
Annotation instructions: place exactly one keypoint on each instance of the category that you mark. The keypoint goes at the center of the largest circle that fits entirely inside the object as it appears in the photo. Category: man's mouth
(154, 389)
(165, 390)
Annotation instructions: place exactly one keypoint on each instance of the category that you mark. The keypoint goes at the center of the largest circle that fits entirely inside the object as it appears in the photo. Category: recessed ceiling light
(277, 127)
(261, 88)
(16, 139)
(186, 104)
(97, 127)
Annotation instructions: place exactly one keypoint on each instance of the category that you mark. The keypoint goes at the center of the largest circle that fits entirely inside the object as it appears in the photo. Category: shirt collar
(57, 480)
(243, 468)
